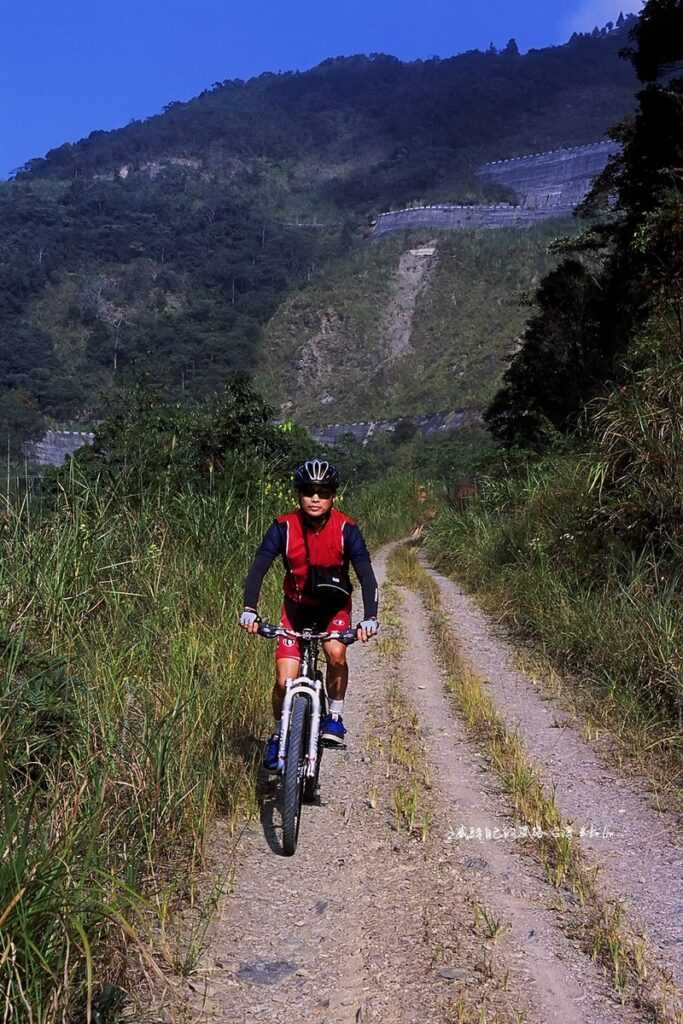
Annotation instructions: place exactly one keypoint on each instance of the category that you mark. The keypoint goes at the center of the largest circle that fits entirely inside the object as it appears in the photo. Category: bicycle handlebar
(270, 632)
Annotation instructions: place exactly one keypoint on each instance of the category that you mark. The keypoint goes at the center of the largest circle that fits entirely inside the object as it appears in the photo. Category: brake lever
(267, 630)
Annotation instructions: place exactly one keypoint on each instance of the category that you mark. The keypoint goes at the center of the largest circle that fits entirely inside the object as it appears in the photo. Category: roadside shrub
(599, 607)
(639, 476)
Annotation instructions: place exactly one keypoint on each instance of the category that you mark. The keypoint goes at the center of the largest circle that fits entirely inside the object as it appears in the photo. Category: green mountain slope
(363, 132)
(165, 248)
(416, 323)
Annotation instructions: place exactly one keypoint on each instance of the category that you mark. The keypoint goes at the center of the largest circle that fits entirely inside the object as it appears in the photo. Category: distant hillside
(362, 132)
(166, 248)
(416, 323)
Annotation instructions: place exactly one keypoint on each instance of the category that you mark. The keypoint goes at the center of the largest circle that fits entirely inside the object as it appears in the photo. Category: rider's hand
(250, 621)
(366, 629)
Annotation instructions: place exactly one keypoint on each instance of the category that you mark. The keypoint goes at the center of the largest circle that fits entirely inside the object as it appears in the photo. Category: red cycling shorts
(298, 617)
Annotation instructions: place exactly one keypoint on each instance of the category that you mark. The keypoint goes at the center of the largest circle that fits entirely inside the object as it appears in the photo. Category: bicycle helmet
(316, 471)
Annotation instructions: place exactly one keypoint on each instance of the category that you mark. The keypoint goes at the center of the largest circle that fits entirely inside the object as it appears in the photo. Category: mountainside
(364, 132)
(416, 323)
(166, 248)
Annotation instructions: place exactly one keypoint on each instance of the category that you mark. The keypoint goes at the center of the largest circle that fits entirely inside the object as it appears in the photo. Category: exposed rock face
(413, 275)
(54, 447)
(548, 185)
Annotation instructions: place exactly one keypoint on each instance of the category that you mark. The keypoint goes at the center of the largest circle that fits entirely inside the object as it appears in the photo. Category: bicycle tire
(294, 777)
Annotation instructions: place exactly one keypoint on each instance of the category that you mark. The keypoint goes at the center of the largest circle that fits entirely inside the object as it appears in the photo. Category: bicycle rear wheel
(294, 774)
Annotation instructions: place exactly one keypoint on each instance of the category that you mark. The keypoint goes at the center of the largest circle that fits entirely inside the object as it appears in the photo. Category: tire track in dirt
(337, 932)
(365, 924)
(564, 984)
(642, 861)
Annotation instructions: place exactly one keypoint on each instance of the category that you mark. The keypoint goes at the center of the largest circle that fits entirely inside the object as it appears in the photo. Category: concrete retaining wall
(547, 184)
(53, 448)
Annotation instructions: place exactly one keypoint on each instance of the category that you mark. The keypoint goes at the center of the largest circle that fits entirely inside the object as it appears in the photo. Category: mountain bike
(301, 743)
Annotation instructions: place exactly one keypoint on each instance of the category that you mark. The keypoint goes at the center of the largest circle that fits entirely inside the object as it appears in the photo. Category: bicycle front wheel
(294, 774)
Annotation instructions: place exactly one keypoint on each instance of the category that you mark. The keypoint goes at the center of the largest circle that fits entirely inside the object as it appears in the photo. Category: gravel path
(564, 984)
(365, 923)
(342, 931)
(639, 848)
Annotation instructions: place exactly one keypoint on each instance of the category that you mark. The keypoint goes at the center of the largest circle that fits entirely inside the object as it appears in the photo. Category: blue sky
(69, 67)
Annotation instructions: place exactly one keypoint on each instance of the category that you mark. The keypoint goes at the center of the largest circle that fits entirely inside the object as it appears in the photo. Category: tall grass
(128, 711)
(531, 547)
(131, 710)
(388, 508)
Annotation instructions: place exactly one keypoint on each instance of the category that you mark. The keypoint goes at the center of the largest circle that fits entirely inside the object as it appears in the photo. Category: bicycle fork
(312, 689)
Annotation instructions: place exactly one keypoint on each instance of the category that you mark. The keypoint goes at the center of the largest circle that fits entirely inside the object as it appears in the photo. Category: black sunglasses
(308, 490)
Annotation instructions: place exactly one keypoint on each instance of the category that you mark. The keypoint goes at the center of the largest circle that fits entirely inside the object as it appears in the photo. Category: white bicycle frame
(312, 689)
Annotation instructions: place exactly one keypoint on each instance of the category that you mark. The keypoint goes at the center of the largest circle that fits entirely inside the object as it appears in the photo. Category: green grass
(598, 919)
(132, 711)
(387, 509)
(529, 548)
(129, 708)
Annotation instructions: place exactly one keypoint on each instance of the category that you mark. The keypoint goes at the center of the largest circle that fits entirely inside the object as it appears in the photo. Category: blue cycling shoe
(270, 753)
(333, 730)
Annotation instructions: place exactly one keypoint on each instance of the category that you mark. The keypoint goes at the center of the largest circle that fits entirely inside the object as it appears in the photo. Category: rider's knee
(336, 657)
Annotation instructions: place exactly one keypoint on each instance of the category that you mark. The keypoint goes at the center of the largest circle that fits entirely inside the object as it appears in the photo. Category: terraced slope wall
(560, 178)
(54, 447)
(428, 424)
(547, 184)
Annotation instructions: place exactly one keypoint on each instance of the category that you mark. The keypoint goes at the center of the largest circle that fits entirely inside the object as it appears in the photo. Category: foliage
(167, 246)
(131, 708)
(150, 443)
(640, 467)
(388, 508)
(583, 548)
(103, 281)
(444, 460)
(128, 709)
(593, 309)
(532, 546)
(425, 119)
(468, 312)
(561, 363)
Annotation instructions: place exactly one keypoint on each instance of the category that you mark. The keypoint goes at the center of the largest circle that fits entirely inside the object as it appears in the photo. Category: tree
(593, 308)
(151, 442)
(559, 366)
(658, 38)
(20, 421)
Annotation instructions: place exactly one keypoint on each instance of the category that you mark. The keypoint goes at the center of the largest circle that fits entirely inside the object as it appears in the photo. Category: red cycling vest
(326, 547)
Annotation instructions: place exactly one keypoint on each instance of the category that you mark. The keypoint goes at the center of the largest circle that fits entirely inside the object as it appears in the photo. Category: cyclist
(316, 542)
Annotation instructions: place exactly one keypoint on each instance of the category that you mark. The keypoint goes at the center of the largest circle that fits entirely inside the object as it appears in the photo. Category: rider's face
(314, 505)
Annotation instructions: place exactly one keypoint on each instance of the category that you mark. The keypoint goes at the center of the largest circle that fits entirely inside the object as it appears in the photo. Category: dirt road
(376, 920)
